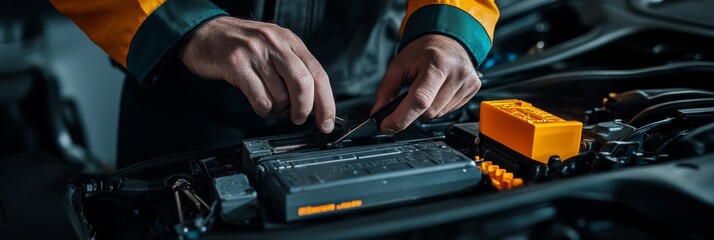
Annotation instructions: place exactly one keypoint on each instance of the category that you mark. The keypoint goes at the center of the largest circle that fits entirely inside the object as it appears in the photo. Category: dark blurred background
(38, 42)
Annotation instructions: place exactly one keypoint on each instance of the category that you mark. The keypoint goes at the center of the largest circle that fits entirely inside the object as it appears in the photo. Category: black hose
(668, 109)
(607, 75)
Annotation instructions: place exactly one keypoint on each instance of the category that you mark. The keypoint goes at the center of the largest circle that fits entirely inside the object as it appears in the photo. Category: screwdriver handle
(383, 112)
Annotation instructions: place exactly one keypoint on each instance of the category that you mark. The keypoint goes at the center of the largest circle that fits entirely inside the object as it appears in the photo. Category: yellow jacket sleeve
(137, 34)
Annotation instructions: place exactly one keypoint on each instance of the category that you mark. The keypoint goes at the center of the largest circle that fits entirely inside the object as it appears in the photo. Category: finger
(324, 101)
(447, 93)
(275, 86)
(455, 104)
(465, 94)
(463, 103)
(420, 97)
(299, 83)
(389, 86)
(249, 83)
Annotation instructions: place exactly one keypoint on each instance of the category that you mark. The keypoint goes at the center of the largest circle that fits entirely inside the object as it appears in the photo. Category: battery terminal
(501, 179)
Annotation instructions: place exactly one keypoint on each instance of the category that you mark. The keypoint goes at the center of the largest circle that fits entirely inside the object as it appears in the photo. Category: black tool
(370, 127)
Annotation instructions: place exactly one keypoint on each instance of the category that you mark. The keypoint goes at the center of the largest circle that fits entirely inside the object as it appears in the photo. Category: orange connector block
(528, 130)
(500, 178)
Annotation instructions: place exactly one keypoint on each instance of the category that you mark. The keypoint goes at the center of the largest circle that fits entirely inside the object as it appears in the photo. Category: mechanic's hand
(268, 63)
(443, 79)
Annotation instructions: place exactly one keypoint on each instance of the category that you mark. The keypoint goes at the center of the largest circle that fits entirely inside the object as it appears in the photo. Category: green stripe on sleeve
(450, 21)
(157, 38)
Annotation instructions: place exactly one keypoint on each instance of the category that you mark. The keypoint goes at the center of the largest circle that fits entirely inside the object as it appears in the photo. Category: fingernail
(389, 131)
(299, 121)
(328, 125)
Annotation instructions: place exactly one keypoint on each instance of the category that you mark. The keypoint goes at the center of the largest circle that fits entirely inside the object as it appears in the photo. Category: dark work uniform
(166, 109)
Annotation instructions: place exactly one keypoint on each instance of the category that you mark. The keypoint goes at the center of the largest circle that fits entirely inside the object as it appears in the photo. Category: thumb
(389, 87)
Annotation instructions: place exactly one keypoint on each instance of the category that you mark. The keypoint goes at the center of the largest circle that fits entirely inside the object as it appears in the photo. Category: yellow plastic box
(528, 130)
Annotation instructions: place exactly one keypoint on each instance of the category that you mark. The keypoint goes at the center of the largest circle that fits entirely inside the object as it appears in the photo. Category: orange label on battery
(309, 210)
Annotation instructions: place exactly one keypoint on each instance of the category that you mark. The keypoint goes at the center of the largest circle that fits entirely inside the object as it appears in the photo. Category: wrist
(443, 43)
(198, 50)
(194, 40)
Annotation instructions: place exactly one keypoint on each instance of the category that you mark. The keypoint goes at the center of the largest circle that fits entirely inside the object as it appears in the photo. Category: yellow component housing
(528, 130)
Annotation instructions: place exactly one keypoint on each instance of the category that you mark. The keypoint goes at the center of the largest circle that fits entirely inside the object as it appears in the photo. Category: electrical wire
(647, 128)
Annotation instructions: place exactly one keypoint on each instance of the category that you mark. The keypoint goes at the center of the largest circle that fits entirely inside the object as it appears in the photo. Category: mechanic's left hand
(442, 77)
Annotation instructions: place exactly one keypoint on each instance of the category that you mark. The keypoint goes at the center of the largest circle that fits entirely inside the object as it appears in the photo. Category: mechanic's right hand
(268, 63)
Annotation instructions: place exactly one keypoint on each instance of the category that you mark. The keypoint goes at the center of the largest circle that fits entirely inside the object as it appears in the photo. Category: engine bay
(595, 120)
